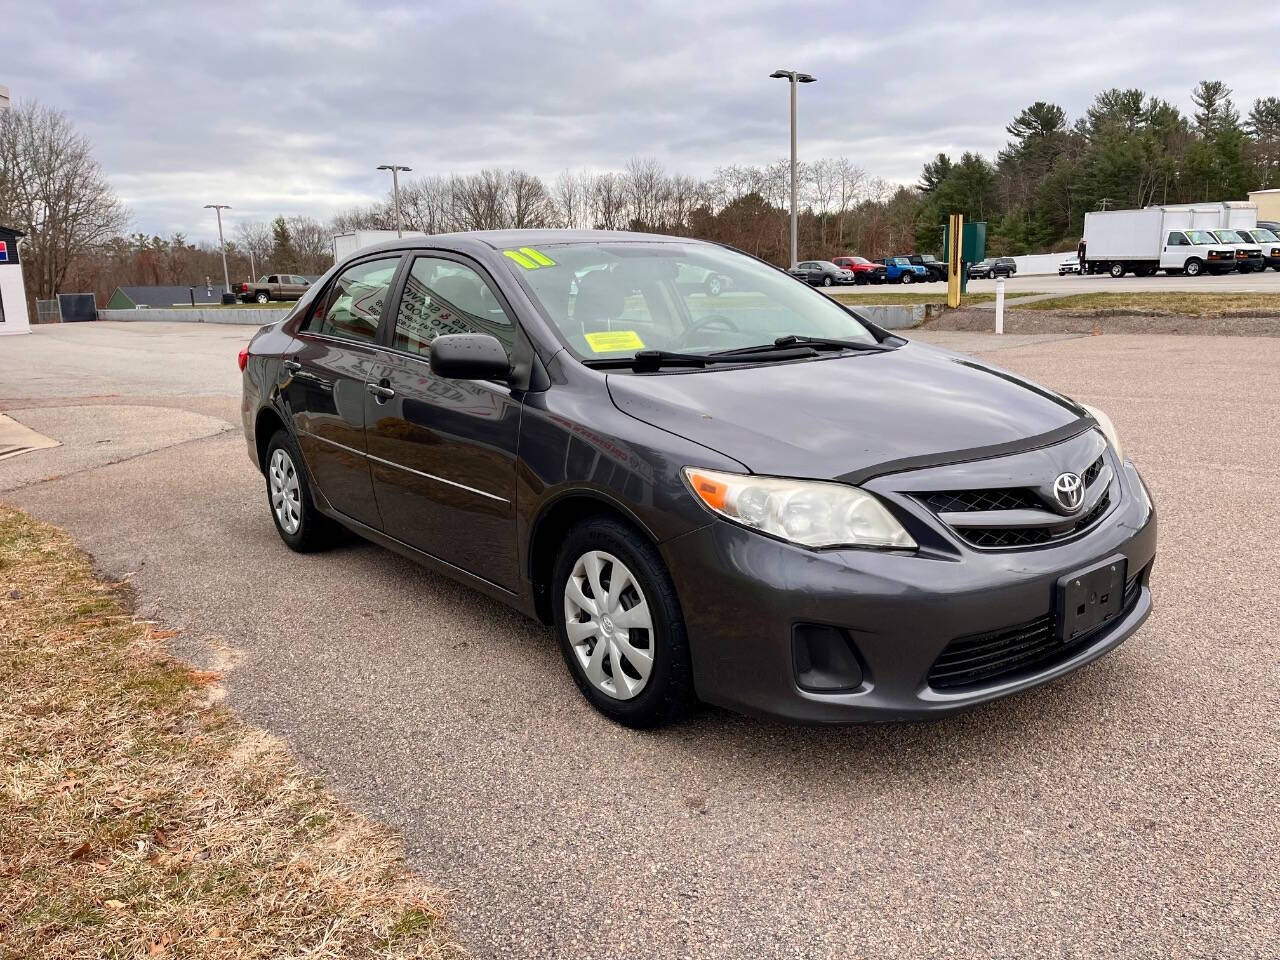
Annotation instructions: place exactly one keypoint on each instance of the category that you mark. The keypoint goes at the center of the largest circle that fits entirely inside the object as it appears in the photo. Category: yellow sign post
(955, 234)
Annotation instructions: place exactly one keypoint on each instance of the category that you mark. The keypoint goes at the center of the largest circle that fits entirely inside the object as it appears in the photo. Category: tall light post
(396, 169)
(218, 208)
(795, 78)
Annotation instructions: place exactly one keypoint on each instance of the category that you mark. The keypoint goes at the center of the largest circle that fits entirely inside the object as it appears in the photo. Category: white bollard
(999, 304)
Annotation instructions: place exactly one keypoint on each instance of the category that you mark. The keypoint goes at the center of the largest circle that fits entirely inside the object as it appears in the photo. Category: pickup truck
(902, 270)
(934, 268)
(277, 286)
(863, 270)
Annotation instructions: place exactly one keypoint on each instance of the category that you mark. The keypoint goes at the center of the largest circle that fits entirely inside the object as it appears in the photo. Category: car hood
(843, 416)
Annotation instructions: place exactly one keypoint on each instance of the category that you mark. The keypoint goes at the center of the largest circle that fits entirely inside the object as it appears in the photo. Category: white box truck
(345, 244)
(1174, 239)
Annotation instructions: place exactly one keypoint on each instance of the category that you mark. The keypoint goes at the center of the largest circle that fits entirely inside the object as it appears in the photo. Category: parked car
(1070, 265)
(902, 270)
(935, 269)
(730, 500)
(864, 271)
(992, 267)
(1268, 241)
(822, 273)
(276, 286)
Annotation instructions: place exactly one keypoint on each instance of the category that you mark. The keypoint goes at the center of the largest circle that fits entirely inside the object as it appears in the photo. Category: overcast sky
(288, 107)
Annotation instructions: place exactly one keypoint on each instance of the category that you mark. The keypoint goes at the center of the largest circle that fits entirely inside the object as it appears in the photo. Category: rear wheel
(262, 297)
(1193, 268)
(301, 526)
(1117, 270)
(620, 626)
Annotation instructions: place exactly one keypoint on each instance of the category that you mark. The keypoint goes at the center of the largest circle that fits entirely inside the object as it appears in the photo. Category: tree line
(1128, 149)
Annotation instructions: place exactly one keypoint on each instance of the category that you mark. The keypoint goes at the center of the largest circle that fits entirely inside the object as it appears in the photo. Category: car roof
(507, 239)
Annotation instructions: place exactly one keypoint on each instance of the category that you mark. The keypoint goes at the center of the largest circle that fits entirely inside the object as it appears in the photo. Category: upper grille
(999, 654)
(970, 501)
(996, 499)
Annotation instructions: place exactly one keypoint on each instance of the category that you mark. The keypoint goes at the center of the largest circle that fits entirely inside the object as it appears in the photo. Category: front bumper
(743, 594)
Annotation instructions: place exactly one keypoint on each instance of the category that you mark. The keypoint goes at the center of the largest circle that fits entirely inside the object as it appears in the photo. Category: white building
(13, 293)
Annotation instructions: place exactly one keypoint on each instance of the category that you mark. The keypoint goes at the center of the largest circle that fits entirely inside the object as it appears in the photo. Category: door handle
(293, 366)
(380, 393)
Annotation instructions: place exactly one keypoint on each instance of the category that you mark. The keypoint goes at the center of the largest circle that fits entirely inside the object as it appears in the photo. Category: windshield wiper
(795, 340)
(654, 359)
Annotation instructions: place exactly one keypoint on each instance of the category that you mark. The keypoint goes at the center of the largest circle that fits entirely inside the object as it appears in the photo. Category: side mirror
(469, 356)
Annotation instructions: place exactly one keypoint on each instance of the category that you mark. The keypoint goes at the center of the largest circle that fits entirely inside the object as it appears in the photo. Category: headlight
(1108, 429)
(807, 512)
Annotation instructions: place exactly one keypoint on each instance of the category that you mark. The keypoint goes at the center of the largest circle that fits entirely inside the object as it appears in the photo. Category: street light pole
(395, 169)
(218, 208)
(794, 78)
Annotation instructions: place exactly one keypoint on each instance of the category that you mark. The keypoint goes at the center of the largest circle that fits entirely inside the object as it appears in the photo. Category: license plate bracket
(1088, 598)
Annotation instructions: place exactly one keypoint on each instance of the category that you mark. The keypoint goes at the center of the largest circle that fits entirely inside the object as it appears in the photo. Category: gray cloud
(288, 107)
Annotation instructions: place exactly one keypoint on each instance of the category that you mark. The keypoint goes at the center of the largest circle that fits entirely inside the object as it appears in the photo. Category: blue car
(902, 270)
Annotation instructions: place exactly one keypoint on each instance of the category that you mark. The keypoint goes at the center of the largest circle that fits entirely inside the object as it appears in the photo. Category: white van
(1248, 253)
(1194, 252)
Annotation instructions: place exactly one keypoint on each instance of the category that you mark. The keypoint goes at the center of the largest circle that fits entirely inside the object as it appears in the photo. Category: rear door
(329, 366)
(443, 451)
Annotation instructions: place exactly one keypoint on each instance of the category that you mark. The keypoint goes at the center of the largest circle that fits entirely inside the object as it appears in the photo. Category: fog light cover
(825, 660)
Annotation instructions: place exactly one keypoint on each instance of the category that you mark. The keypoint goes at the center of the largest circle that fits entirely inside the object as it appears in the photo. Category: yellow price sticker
(612, 341)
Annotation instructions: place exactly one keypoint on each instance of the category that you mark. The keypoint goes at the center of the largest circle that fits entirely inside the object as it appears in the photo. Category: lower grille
(1000, 654)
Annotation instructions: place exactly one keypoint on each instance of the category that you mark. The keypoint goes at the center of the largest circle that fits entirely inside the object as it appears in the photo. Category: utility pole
(794, 78)
(218, 208)
(395, 169)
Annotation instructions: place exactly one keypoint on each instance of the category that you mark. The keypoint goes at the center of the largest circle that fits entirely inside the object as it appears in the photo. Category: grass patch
(875, 297)
(139, 819)
(1173, 303)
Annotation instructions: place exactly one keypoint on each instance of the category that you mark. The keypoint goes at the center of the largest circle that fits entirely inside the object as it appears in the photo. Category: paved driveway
(1128, 810)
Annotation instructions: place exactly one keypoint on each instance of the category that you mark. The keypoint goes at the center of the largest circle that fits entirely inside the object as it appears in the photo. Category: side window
(273, 279)
(444, 296)
(351, 307)
(1177, 240)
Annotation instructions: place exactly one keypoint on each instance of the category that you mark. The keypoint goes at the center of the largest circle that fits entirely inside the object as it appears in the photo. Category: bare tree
(571, 201)
(53, 190)
(254, 236)
(528, 203)
(609, 202)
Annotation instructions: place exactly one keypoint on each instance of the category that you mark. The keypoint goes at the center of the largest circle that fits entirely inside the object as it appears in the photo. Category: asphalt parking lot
(1126, 810)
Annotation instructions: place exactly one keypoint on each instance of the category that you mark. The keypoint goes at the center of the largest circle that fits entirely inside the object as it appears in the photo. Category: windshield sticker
(529, 258)
(613, 340)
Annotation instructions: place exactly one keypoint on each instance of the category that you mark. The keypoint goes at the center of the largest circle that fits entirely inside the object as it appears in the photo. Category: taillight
(243, 358)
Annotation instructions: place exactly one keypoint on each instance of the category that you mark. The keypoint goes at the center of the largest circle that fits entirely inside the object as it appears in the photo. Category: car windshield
(612, 299)
(1228, 236)
(1201, 236)
(1265, 236)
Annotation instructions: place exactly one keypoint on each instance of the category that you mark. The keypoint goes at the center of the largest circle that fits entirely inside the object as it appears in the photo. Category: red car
(864, 271)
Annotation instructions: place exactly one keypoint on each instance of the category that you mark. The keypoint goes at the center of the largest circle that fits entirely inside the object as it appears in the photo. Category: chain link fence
(47, 311)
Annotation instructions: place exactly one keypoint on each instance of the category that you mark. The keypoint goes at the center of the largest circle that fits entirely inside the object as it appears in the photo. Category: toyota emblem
(1068, 490)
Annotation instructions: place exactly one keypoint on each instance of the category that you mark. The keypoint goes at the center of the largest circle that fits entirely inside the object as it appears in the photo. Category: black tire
(827, 281)
(1193, 267)
(262, 297)
(668, 694)
(1116, 270)
(907, 277)
(315, 531)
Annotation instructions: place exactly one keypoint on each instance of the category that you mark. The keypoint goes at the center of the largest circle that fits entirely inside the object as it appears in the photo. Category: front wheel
(1193, 268)
(620, 626)
(907, 277)
(827, 281)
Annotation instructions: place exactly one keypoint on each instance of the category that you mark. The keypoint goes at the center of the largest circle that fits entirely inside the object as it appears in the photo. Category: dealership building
(13, 293)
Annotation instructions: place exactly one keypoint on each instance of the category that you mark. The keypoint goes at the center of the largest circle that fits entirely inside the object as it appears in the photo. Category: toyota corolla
(758, 499)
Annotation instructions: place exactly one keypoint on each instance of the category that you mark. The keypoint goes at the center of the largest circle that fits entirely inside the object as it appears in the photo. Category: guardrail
(254, 316)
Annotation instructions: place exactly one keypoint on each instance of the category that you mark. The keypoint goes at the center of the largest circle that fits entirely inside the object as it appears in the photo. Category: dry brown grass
(139, 819)
(1173, 303)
